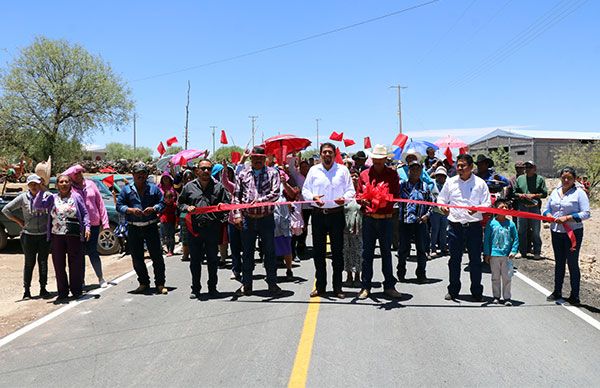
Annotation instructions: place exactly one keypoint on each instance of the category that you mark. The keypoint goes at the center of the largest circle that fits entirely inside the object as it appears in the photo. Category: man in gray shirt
(33, 237)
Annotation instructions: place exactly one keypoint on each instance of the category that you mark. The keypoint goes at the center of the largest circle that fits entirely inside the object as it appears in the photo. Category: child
(500, 245)
(167, 222)
(353, 240)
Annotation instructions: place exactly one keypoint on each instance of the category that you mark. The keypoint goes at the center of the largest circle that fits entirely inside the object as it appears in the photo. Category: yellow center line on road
(304, 352)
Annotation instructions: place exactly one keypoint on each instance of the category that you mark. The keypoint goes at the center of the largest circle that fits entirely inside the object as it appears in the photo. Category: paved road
(124, 339)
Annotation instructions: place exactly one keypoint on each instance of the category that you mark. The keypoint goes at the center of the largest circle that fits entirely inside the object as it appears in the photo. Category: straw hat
(43, 170)
(379, 152)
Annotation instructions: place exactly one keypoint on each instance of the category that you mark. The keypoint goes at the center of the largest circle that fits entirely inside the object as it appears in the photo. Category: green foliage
(115, 151)
(54, 95)
(585, 159)
(502, 162)
(225, 153)
(173, 150)
(308, 153)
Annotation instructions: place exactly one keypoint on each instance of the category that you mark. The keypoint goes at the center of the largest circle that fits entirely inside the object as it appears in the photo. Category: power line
(290, 43)
(541, 25)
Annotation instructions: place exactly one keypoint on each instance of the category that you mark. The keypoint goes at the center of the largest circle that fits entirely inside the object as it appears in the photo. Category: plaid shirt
(410, 213)
(264, 187)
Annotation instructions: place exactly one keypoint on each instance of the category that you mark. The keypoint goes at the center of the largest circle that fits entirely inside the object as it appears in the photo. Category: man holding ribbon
(377, 222)
(204, 229)
(329, 185)
(464, 227)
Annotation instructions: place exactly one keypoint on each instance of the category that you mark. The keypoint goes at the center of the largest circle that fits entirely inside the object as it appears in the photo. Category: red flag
(161, 149)
(336, 136)
(172, 141)
(183, 162)
(367, 142)
(349, 142)
(400, 140)
(235, 157)
(223, 137)
(338, 156)
(448, 154)
(463, 150)
(109, 180)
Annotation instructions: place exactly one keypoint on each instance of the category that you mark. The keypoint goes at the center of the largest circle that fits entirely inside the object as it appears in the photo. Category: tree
(309, 153)
(173, 150)
(225, 153)
(115, 151)
(56, 92)
(502, 162)
(584, 158)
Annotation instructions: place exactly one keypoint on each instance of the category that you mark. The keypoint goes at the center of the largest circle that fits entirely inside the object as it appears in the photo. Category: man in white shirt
(464, 226)
(328, 184)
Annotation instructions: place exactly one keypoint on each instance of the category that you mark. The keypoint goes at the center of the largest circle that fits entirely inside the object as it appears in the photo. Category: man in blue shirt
(141, 202)
(495, 182)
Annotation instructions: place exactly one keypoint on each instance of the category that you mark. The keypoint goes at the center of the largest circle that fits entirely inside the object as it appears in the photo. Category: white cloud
(92, 147)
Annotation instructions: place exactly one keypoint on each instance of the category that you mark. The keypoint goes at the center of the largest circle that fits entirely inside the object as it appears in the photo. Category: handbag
(73, 227)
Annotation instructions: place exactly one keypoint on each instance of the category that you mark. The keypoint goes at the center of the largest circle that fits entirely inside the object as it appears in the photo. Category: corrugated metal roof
(539, 134)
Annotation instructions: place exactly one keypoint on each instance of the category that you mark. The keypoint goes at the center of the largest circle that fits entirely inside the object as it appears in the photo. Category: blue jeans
(265, 229)
(439, 233)
(470, 235)
(535, 225)
(136, 237)
(235, 242)
(91, 249)
(563, 255)
(373, 230)
(167, 235)
(331, 224)
(407, 232)
(205, 245)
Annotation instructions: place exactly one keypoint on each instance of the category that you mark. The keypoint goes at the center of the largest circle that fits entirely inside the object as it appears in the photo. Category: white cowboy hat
(379, 152)
(43, 170)
(440, 171)
(411, 152)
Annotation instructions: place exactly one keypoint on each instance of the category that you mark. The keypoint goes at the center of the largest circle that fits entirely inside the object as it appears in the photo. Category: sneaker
(275, 290)
(26, 294)
(449, 297)
(141, 289)
(161, 289)
(363, 294)
(296, 259)
(508, 303)
(573, 301)
(392, 293)
(44, 293)
(553, 297)
(102, 283)
(496, 301)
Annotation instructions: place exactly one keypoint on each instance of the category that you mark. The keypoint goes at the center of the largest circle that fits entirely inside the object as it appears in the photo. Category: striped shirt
(261, 187)
(411, 213)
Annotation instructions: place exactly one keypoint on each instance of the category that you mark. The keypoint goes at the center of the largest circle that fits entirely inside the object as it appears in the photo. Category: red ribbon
(376, 193)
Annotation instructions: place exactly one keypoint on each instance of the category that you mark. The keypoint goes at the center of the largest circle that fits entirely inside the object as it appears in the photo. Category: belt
(379, 216)
(330, 210)
(134, 223)
(465, 225)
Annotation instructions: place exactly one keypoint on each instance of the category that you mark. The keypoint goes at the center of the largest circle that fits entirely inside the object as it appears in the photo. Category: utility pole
(187, 112)
(399, 87)
(213, 135)
(134, 142)
(253, 118)
(317, 120)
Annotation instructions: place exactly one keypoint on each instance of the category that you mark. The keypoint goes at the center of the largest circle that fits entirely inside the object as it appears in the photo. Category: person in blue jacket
(500, 245)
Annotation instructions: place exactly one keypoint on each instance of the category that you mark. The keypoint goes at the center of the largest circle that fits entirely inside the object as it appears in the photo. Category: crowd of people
(336, 199)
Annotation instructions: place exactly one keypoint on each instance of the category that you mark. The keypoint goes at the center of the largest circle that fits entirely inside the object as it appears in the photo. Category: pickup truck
(108, 244)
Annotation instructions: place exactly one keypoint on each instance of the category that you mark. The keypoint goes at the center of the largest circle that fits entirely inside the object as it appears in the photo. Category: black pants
(149, 233)
(35, 248)
(407, 232)
(322, 225)
(206, 244)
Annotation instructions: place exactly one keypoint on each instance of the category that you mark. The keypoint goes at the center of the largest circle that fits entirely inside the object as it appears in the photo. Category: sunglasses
(205, 168)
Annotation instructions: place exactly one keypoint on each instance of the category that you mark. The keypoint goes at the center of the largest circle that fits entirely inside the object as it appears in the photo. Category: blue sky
(534, 66)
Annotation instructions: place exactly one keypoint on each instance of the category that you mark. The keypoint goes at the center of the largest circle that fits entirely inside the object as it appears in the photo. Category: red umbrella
(285, 144)
(450, 142)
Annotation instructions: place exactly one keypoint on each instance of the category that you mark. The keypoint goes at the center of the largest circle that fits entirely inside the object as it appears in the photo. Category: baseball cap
(34, 178)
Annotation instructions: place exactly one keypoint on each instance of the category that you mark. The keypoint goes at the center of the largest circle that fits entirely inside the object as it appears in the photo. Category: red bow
(377, 194)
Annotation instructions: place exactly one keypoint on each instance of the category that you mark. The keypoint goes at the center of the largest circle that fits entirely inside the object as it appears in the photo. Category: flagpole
(213, 137)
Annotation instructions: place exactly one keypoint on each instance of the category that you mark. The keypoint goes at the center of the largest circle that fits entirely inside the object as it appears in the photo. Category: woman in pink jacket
(97, 214)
